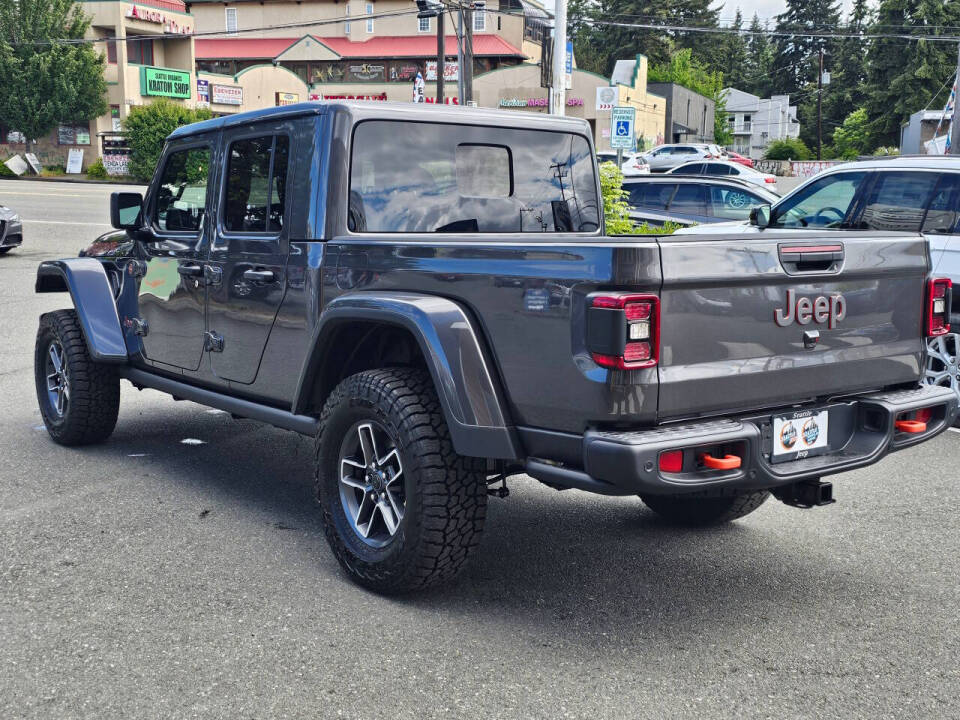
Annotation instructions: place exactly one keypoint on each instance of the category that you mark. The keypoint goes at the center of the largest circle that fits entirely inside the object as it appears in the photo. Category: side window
(692, 169)
(718, 169)
(942, 214)
(256, 184)
(689, 199)
(181, 197)
(733, 203)
(897, 201)
(650, 195)
(823, 203)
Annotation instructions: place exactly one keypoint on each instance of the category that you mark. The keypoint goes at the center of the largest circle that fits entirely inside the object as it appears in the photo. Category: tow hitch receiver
(807, 494)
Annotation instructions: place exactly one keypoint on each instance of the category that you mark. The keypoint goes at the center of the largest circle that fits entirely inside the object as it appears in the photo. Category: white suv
(666, 157)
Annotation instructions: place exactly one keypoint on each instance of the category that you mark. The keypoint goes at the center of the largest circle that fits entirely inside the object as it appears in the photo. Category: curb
(69, 179)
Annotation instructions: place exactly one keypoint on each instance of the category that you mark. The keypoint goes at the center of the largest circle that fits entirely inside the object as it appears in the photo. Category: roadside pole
(559, 94)
(820, 107)
(466, 69)
(441, 51)
(460, 41)
(955, 118)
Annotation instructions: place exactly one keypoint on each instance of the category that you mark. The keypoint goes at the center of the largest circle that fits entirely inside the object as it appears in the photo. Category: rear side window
(942, 214)
(897, 201)
(650, 195)
(256, 184)
(431, 177)
(690, 198)
(181, 197)
(694, 169)
(718, 169)
(823, 203)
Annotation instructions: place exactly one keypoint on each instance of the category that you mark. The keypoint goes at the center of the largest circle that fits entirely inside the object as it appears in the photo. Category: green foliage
(887, 151)
(789, 149)
(97, 171)
(54, 170)
(147, 127)
(852, 139)
(5, 171)
(759, 63)
(44, 83)
(615, 209)
(684, 69)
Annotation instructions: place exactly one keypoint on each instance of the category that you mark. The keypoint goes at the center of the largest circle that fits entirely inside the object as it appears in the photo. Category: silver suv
(667, 157)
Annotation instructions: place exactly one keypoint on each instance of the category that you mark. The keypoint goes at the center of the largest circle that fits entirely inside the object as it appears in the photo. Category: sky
(766, 9)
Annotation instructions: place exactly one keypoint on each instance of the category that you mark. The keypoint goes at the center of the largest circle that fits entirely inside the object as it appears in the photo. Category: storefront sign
(226, 95)
(606, 98)
(285, 98)
(150, 15)
(164, 83)
(366, 72)
(451, 70)
(538, 102)
(203, 92)
(400, 71)
(318, 96)
(116, 163)
(75, 161)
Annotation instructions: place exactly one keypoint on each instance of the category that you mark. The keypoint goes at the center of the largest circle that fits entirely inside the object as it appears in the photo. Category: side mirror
(760, 216)
(125, 210)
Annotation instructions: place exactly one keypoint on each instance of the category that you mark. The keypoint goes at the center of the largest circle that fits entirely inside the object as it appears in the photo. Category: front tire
(698, 511)
(400, 509)
(79, 398)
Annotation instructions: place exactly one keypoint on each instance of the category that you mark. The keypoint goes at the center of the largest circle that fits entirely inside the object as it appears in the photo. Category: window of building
(231, 20)
(346, 25)
(256, 185)
(479, 17)
(369, 10)
(181, 199)
(111, 51)
(423, 24)
(140, 52)
(460, 179)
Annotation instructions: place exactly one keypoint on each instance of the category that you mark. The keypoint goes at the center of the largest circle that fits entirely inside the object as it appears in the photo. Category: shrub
(147, 127)
(53, 170)
(97, 171)
(789, 149)
(615, 209)
(5, 171)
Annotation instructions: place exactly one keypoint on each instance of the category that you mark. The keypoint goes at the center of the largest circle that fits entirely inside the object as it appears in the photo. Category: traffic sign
(622, 122)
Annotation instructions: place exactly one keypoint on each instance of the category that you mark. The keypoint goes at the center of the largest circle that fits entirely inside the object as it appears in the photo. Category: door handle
(190, 270)
(263, 276)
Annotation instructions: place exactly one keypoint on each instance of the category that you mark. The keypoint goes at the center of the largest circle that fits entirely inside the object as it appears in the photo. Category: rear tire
(79, 398)
(5, 250)
(400, 509)
(699, 511)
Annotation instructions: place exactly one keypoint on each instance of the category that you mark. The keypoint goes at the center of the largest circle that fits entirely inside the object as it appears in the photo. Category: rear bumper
(862, 432)
(11, 233)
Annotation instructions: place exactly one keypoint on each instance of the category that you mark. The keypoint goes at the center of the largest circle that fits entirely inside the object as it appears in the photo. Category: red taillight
(623, 331)
(671, 461)
(770, 180)
(939, 294)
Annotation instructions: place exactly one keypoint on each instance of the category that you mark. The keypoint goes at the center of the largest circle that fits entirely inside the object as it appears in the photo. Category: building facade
(756, 122)
(923, 127)
(689, 114)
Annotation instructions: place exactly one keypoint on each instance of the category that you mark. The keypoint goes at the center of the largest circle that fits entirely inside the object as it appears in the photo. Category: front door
(172, 294)
(249, 253)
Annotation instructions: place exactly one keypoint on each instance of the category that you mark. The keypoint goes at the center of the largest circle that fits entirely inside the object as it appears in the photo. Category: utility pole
(460, 42)
(441, 52)
(955, 119)
(559, 94)
(820, 107)
(466, 68)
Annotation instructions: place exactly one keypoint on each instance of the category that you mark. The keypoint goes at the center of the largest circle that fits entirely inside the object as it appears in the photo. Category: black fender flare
(472, 403)
(89, 287)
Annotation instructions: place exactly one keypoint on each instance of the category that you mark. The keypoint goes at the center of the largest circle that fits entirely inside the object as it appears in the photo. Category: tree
(902, 75)
(852, 139)
(44, 82)
(736, 60)
(848, 68)
(759, 63)
(797, 56)
(789, 149)
(147, 126)
(683, 69)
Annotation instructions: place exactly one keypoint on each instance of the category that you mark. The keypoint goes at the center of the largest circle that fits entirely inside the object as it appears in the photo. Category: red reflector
(671, 461)
(637, 311)
(636, 351)
(607, 302)
(936, 323)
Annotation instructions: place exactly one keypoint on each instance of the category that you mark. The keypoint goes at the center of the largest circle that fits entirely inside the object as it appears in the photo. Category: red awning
(240, 48)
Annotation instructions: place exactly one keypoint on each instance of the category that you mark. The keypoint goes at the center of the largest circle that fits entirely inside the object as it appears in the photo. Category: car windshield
(823, 203)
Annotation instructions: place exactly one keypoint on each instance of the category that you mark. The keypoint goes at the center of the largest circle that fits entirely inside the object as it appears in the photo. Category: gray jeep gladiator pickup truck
(428, 292)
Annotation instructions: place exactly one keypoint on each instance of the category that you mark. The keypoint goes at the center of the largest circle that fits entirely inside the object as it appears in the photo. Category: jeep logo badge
(805, 310)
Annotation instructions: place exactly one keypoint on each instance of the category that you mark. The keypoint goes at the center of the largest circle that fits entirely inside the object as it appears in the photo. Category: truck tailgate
(740, 314)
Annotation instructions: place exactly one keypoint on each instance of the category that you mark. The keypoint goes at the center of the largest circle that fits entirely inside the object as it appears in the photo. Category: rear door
(248, 256)
(941, 225)
(689, 202)
(740, 317)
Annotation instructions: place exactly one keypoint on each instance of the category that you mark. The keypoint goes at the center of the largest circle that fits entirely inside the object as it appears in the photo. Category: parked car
(726, 168)
(11, 230)
(633, 163)
(738, 158)
(907, 194)
(665, 157)
(331, 269)
(658, 199)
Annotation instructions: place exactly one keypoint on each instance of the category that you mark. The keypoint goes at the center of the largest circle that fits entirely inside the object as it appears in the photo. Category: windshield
(823, 203)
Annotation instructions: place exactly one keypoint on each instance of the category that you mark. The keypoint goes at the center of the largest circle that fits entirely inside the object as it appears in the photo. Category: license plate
(800, 434)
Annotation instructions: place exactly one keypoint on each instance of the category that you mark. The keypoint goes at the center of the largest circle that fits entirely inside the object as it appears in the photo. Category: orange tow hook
(910, 426)
(727, 462)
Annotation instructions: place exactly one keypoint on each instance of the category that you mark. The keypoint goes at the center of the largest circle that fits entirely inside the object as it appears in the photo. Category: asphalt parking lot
(152, 577)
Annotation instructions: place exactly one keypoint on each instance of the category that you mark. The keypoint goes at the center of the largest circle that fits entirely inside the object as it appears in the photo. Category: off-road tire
(699, 511)
(94, 402)
(446, 494)
(5, 250)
